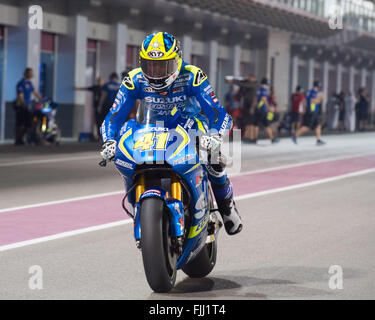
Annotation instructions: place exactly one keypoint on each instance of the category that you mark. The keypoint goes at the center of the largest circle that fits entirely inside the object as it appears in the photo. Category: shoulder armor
(199, 75)
(128, 81)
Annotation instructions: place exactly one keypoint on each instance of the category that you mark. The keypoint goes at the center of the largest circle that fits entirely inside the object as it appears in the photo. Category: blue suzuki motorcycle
(175, 222)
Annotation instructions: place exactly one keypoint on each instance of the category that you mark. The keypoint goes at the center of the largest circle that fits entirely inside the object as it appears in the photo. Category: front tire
(159, 259)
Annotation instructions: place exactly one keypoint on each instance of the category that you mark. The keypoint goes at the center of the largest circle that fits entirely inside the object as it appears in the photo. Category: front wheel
(159, 258)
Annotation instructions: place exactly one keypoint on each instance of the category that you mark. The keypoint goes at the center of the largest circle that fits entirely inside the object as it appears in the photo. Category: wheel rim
(171, 256)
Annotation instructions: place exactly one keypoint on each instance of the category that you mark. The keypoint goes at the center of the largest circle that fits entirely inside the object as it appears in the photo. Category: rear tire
(159, 260)
(203, 263)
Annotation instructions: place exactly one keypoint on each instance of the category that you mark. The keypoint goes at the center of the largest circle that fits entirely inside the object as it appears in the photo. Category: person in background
(363, 103)
(247, 93)
(298, 102)
(311, 118)
(263, 111)
(341, 103)
(22, 105)
(332, 111)
(350, 111)
(273, 105)
(96, 90)
(108, 96)
(232, 105)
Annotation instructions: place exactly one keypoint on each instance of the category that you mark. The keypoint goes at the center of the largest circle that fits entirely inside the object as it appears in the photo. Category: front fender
(175, 208)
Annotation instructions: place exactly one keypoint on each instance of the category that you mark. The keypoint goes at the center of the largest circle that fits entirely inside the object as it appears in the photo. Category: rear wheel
(203, 263)
(159, 258)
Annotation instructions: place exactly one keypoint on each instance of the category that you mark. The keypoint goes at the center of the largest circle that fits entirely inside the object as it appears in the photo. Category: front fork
(174, 204)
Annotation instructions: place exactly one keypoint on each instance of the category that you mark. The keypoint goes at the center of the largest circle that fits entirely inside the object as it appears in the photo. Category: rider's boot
(227, 207)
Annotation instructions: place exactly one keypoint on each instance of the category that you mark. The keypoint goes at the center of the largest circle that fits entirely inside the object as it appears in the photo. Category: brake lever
(103, 163)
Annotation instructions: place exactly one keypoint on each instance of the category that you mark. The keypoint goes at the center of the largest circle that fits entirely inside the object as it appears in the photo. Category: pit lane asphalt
(289, 241)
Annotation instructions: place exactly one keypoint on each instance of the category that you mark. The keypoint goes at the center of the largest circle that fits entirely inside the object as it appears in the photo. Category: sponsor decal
(102, 131)
(182, 79)
(155, 54)
(201, 203)
(199, 214)
(208, 89)
(202, 223)
(148, 89)
(224, 125)
(181, 84)
(183, 159)
(213, 97)
(213, 172)
(155, 45)
(164, 93)
(189, 124)
(123, 164)
(181, 221)
(198, 181)
(166, 100)
(153, 191)
(196, 251)
(156, 129)
(174, 90)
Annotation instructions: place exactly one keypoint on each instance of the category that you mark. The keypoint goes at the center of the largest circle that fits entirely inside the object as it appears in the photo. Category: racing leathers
(190, 86)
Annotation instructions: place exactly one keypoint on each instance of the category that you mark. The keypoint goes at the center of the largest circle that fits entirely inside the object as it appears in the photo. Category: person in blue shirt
(263, 112)
(312, 117)
(108, 95)
(96, 90)
(165, 81)
(22, 105)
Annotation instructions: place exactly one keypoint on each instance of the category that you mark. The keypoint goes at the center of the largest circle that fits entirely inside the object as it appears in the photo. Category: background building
(291, 42)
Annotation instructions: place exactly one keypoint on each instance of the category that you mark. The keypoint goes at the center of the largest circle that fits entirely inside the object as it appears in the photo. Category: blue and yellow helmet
(160, 59)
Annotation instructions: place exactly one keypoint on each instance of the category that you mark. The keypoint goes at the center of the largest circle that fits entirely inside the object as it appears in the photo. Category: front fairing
(172, 145)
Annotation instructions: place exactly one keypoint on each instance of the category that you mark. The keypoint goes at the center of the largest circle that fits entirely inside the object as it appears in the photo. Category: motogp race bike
(44, 128)
(175, 222)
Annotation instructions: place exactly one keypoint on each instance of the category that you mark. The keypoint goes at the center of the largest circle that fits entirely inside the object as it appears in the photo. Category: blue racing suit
(191, 86)
(312, 107)
(26, 88)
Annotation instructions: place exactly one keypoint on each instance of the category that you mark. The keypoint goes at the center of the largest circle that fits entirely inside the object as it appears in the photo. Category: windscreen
(149, 113)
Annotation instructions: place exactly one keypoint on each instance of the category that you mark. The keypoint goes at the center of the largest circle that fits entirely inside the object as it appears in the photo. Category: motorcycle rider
(165, 80)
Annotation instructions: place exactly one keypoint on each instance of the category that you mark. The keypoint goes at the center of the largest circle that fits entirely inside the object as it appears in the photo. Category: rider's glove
(108, 150)
(212, 142)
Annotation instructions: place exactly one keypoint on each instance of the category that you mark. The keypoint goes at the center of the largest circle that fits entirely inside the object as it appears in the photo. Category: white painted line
(64, 235)
(128, 221)
(229, 175)
(41, 161)
(296, 165)
(303, 185)
(62, 201)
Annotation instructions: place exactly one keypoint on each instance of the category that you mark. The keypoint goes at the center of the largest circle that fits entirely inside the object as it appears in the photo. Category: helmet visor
(158, 69)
